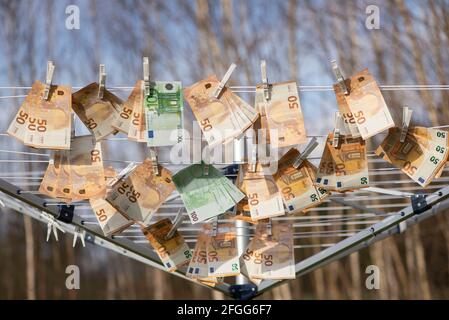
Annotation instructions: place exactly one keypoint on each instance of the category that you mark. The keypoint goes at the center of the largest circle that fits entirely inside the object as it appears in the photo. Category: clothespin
(153, 158)
(339, 76)
(176, 224)
(307, 151)
(48, 79)
(224, 80)
(402, 226)
(52, 225)
(101, 81)
(269, 228)
(79, 233)
(122, 174)
(336, 140)
(215, 226)
(266, 85)
(2, 204)
(206, 162)
(253, 159)
(146, 75)
(406, 118)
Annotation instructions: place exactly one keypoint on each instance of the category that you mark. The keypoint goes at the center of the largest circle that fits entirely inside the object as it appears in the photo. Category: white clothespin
(215, 226)
(52, 225)
(266, 85)
(336, 139)
(253, 158)
(153, 158)
(176, 224)
(206, 162)
(79, 233)
(339, 76)
(307, 151)
(48, 79)
(2, 203)
(402, 226)
(406, 118)
(224, 80)
(123, 174)
(101, 81)
(146, 75)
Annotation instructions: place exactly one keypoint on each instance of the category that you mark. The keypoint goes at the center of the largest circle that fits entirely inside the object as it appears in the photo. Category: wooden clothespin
(307, 151)
(101, 80)
(154, 162)
(146, 75)
(339, 76)
(406, 118)
(48, 79)
(224, 80)
(176, 223)
(336, 139)
(266, 85)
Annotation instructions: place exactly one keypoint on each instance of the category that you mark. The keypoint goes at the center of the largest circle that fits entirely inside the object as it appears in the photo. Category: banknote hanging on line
(282, 112)
(421, 156)
(297, 185)
(345, 167)
(99, 115)
(220, 119)
(270, 254)
(75, 174)
(41, 123)
(264, 198)
(140, 193)
(363, 108)
(173, 251)
(205, 196)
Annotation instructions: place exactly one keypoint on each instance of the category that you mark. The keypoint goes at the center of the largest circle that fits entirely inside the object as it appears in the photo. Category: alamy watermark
(72, 22)
(72, 282)
(372, 21)
(372, 282)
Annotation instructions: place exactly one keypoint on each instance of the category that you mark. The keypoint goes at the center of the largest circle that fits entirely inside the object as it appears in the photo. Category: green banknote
(205, 196)
(163, 113)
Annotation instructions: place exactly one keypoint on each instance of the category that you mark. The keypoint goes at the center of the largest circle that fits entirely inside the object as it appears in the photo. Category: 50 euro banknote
(421, 156)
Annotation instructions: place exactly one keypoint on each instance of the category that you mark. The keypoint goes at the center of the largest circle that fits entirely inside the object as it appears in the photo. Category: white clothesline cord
(252, 89)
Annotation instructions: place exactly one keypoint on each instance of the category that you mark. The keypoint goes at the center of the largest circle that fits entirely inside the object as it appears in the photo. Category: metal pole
(242, 243)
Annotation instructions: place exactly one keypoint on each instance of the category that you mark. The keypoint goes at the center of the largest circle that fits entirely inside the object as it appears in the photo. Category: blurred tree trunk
(31, 271)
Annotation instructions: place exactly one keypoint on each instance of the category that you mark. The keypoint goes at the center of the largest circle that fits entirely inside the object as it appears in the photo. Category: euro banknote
(343, 168)
(271, 256)
(139, 194)
(122, 119)
(366, 105)
(205, 196)
(297, 184)
(283, 113)
(173, 251)
(222, 119)
(75, 174)
(264, 198)
(222, 253)
(41, 123)
(421, 156)
(164, 114)
(97, 114)
(110, 220)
